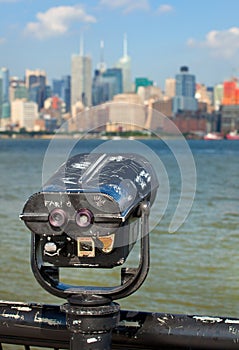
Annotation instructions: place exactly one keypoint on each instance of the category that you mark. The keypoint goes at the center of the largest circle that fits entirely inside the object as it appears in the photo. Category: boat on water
(232, 135)
(213, 136)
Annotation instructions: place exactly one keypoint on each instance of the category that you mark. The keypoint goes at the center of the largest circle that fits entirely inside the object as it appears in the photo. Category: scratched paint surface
(193, 271)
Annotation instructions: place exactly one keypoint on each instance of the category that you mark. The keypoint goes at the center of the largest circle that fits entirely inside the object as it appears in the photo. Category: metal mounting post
(90, 320)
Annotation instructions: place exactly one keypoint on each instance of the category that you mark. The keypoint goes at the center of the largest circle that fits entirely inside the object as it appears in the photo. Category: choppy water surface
(194, 270)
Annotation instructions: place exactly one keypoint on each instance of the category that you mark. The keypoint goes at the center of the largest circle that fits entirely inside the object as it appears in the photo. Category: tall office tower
(1, 96)
(66, 91)
(17, 89)
(36, 85)
(62, 89)
(170, 87)
(5, 105)
(106, 85)
(184, 99)
(210, 94)
(4, 73)
(115, 75)
(56, 87)
(125, 64)
(81, 80)
(230, 93)
(34, 76)
(100, 89)
(218, 96)
(24, 113)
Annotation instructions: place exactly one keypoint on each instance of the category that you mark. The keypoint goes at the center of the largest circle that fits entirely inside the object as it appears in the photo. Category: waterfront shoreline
(90, 136)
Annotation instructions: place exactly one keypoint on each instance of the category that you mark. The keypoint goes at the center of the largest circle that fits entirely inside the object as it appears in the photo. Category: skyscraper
(1, 96)
(4, 99)
(17, 89)
(66, 91)
(170, 86)
(34, 76)
(218, 96)
(4, 73)
(184, 99)
(106, 85)
(81, 79)
(24, 113)
(125, 64)
(36, 84)
(62, 88)
(56, 87)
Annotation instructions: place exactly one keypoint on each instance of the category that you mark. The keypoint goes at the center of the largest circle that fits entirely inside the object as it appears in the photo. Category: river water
(194, 270)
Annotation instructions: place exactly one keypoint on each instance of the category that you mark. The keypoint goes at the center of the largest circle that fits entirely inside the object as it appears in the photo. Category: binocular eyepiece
(88, 213)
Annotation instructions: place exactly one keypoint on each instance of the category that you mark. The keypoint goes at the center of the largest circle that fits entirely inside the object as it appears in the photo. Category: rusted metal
(46, 325)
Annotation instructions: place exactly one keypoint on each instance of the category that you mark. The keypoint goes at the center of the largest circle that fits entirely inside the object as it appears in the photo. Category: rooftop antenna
(102, 65)
(125, 46)
(82, 45)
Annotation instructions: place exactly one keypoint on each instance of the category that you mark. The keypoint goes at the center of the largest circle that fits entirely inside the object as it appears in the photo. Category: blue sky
(162, 36)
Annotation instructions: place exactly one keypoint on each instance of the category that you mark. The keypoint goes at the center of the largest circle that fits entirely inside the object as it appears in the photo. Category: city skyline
(162, 36)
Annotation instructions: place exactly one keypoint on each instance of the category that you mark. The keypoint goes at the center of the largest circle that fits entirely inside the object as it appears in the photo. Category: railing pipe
(45, 325)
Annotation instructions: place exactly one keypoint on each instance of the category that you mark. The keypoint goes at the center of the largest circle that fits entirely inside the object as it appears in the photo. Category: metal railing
(33, 325)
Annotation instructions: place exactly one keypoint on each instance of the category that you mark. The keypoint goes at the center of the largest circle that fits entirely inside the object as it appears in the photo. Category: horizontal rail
(45, 326)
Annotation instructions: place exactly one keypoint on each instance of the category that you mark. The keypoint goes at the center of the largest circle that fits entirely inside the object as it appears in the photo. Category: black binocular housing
(88, 212)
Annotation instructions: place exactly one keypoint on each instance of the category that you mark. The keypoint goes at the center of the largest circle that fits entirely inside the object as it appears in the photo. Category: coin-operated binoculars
(90, 214)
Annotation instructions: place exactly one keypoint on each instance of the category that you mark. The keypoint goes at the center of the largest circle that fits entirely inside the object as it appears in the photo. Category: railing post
(90, 322)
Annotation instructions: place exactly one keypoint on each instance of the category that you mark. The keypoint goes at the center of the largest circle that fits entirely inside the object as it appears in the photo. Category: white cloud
(56, 21)
(224, 43)
(164, 9)
(126, 5)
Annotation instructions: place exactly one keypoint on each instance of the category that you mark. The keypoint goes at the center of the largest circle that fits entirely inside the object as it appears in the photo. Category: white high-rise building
(218, 96)
(24, 113)
(125, 64)
(81, 79)
(170, 87)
